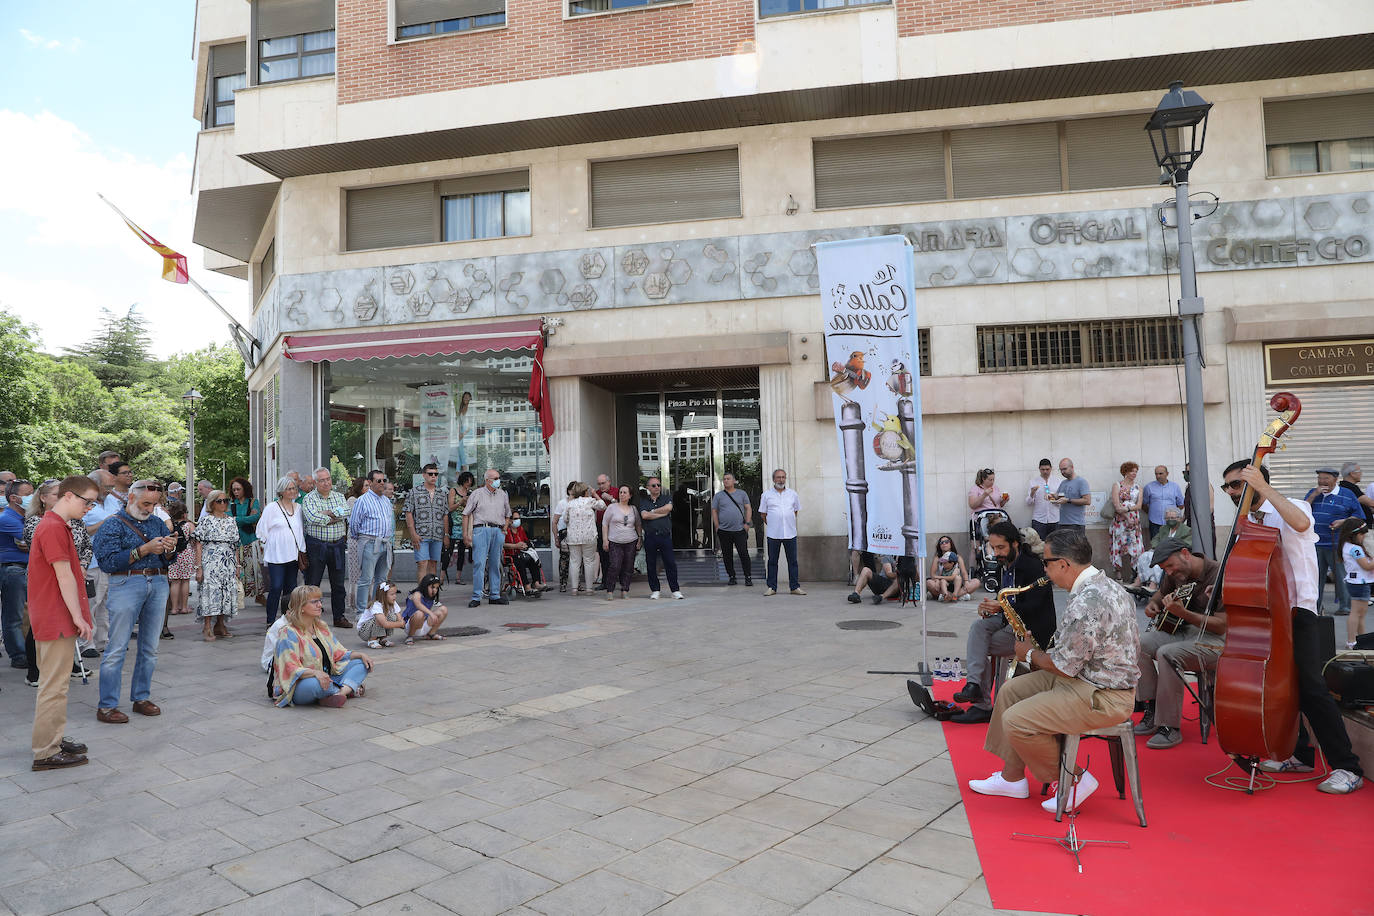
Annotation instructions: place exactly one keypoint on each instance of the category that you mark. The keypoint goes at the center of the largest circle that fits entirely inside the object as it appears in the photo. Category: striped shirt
(372, 516)
(317, 524)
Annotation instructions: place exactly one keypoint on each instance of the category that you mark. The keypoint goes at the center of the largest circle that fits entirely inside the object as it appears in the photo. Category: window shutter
(1340, 117)
(996, 161)
(485, 184)
(278, 18)
(660, 189)
(227, 60)
(1110, 153)
(391, 217)
(416, 12)
(893, 169)
(269, 409)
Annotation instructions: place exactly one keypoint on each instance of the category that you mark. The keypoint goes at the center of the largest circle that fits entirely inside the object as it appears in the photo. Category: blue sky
(98, 96)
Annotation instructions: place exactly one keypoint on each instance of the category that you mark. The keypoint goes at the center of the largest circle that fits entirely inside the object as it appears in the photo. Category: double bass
(1256, 696)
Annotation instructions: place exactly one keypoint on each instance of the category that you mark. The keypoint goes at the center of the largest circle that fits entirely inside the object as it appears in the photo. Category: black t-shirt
(1357, 493)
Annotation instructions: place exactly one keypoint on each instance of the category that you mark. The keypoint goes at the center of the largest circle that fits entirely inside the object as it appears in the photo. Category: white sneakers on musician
(1341, 782)
(1087, 785)
(996, 785)
(1291, 765)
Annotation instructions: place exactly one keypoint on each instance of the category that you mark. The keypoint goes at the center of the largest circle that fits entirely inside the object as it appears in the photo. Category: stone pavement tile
(937, 769)
(880, 818)
(791, 814)
(537, 819)
(851, 730)
(713, 724)
(191, 892)
(266, 832)
(565, 856)
(851, 849)
(178, 823)
(446, 811)
(704, 760)
(782, 762)
(732, 836)
(368, 836)
(354, 806)
(549, 749)
(599, 797)
(955, 821)
(655, 777)
(784, 877)
(716, 899)
(512, 790)
(115, 810)
(625, 754)
(190, 792)
(86, 909)
(451, 857)
(96, 772)
(904, 886)
(278, 865)
(834, 903)
(378, 877)
(826, 746)
(407, 905)
(675, 867)
(495, 765)
(600, 892)
(420, 759)
(300, 897)
(868, 768)
(342, 780)
(633, 828)
(25, 805)
(266, 799)
(746, 742)
(478, 837)
(740, 783)
(203, 849)
(486, 889)
(960, 908)
(977, 893)
(820, 716)
(598, 734)
(207, 764)
(954, 855)
(672, 738)
(91, 845)
(21, 865)
(572, 771)
(79, 885)
(690, 804)
(429, 783)
(829, 788)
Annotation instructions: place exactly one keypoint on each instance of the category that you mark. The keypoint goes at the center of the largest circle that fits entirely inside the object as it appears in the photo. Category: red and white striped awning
(477, 337)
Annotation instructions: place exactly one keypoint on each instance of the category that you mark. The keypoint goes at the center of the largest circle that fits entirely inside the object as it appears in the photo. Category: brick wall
(931, 17)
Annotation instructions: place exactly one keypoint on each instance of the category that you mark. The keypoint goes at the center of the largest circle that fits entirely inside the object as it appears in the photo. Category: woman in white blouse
(283, 543)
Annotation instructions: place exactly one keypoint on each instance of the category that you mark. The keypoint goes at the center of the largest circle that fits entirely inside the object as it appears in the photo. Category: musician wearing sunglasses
(1181, 637)
(1297, 538)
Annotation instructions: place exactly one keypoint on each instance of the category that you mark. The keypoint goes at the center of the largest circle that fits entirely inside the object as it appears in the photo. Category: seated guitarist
(1180, 635)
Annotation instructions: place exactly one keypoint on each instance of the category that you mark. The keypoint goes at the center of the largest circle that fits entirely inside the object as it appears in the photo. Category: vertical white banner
(871, 348)
(436, 415)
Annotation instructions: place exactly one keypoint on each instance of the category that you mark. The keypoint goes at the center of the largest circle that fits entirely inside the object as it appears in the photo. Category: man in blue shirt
(1160, 494)
(1331, 505)
(371, 523)
(134, 547)
(14, 569)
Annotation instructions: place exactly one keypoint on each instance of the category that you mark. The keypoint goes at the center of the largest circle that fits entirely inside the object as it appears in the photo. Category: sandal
(410, 640)
(374, 644)
(360, 691)
(434, 636)
(382, 643)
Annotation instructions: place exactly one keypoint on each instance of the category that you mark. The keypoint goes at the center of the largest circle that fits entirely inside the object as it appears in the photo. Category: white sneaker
(768, 593)
(653, 595)
(996, 785)
(1291, 765)
(678, 595)
(1341, 782)
(1087, 785)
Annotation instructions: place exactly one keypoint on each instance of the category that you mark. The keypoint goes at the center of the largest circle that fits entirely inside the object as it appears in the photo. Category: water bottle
(942, 668)
(957, 672)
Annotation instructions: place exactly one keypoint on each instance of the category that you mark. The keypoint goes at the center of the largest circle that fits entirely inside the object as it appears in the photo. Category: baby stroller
(984, 565)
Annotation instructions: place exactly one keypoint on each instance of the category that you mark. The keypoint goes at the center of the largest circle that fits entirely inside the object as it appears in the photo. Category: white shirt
(781, 507)
(1043, 511)
(1351, 553)
(561, 512)
(1299, 554)
(280, 533)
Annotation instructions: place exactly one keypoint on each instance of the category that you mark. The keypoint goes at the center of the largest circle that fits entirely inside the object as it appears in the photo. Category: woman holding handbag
(283, 545)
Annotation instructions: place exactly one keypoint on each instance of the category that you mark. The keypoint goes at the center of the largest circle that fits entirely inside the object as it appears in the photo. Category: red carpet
(1289, 849)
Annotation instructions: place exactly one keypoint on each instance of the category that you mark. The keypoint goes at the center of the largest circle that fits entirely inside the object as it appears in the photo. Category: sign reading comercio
(1349, 361)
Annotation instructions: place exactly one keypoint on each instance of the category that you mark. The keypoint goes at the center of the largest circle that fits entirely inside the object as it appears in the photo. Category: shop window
(661, 189)
(225, 73)
(423, 18)
(1334, 134)
(424, 212)
(267, 268)
(1080, 345)
(294, 39)
(769, 8)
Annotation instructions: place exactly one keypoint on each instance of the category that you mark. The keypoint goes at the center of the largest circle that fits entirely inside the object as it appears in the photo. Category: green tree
(222, 416)
(149, 429)
(120, 353)
(26, 399)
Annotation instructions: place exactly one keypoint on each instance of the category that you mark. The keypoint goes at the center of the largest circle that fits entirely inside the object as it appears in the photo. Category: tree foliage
(120, 353)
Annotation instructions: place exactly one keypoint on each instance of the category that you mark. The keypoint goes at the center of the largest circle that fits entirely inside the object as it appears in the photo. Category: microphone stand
(1071, 842)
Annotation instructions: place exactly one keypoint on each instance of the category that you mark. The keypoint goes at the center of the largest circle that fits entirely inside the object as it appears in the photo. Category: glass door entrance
(691, 479)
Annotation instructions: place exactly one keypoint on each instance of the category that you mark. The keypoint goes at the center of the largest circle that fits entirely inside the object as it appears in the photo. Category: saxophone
(1017, 625)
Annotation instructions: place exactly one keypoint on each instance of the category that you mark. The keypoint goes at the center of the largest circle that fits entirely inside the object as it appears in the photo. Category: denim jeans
(281, 581)
(328, 555)
(14, 589)
(372, 568)
(1327, 560)
(658, 544)
(308, 689)
(140, 600)
(486, 562)
(789, 545)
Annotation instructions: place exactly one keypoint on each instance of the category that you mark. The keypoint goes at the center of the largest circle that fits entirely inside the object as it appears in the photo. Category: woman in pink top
(984, 493)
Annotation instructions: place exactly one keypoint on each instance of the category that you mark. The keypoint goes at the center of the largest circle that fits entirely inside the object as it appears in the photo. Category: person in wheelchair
(521, 553)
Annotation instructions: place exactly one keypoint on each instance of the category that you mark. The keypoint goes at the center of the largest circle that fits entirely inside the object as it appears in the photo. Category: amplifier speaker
(1326, 638)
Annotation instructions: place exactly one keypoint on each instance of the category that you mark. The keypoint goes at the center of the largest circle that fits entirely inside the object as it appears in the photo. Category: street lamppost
(359, 458)
(192, 399)
(1178, 129)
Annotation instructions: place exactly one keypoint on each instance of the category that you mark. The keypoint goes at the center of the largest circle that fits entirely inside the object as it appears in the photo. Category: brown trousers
(1033, 710)
(50, 710)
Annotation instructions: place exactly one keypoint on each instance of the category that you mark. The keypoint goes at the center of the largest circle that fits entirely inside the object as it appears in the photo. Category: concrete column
(298, 426)
(776, 419)
(565, 446)
(1244, 398)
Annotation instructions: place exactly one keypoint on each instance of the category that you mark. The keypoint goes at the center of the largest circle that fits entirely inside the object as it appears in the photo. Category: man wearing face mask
(778, 508)
(14, 568)
(484, 530)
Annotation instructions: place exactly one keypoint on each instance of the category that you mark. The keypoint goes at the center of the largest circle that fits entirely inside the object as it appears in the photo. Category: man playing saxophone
(990, 635)
(1086, 681)
(1179, 635)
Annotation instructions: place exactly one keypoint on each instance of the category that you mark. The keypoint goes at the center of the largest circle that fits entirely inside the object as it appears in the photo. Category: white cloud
(51, 44)
(64, 255)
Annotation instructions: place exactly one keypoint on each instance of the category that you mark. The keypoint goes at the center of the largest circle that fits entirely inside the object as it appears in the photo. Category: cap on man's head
(1166, 549)
(1331, 471)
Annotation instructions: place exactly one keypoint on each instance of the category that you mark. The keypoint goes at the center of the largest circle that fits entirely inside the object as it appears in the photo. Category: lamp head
(1178, 129)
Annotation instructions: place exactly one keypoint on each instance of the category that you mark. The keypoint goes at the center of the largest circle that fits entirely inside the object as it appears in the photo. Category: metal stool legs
(1121, 748)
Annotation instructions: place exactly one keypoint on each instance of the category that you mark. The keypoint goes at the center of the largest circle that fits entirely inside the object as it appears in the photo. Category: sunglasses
(216, 502)
(1233, 485)
(431, 473)
(1049, 560)
(153, 487)
(988, 471)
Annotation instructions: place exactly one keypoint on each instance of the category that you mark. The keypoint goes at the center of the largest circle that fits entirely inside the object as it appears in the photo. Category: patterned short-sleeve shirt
(429, 510)
(1098, 640)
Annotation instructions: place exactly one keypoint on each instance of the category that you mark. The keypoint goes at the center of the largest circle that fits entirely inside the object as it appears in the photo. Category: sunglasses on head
(988, 472)
(153, 487)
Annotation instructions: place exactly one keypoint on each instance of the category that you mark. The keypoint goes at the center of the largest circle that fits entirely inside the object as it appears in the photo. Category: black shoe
(748, 581)
(501, 600)
(921, 697)
(877, 599)
(166, 634)
(19, 663)
(73, 747)
(971, 693)
(475, 602)
(59, 760)
(853, 598)
(89, 653)
(732, 581)
(973, 716)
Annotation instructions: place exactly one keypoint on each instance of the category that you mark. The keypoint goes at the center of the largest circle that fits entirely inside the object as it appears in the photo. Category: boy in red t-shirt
(58, 614)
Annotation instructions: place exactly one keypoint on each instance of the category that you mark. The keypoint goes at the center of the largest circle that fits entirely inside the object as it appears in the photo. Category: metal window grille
(923, 344)
(1080, 345)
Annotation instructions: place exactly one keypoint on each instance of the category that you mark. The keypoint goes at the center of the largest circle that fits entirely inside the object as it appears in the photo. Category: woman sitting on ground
(424, 614)
(378, 622)
(310, 665)
(949, 579)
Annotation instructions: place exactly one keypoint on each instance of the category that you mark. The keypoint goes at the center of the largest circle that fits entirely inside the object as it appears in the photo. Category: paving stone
(784, 877)
(690, 804)
(483, 839)
(565, 856)
(300, 897)
(21, 865)
(451, 857)
(378, 877)
(368, 836)
(791, 814)
(737, 782)
(82, 884)
(91, 845)
(284, 825)
(904, 886)
(449, 811)
(834, 903)
(829, 789)
(896, 822)
(354, 806)
(785, 763)
(537, 819)
(486, 889)
(512, 790)
(409, 905)
(189, 892)
(202, 849)
(278, 865)
(655, 778)
(633, 828)
(869, 768)
(930, 848)
(826, 842)
(603, 893)
(717, 899)
(733, 836)
(675, 867)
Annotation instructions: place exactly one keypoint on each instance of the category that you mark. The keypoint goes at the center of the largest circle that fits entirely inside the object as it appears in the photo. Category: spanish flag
(173, 263)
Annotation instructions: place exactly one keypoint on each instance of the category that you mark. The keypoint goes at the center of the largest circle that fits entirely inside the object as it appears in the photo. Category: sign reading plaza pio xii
(1320, 362)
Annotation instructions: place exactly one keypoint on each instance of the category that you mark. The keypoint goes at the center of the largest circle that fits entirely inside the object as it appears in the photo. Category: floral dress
(183, 567)
(1125, 530)
(219, 539)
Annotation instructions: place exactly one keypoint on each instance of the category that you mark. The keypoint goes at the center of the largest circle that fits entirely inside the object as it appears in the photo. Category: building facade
(440, 201)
